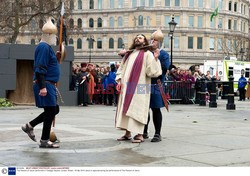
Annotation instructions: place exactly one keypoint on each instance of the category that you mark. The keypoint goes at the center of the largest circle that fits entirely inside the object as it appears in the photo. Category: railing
(182, 91)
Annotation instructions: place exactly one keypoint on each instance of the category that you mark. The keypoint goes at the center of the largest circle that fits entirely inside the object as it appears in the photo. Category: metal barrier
(182, 91)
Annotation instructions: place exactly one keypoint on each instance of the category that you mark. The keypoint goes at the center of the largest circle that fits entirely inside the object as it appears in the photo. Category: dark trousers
(157, 119)
(242, 92)
(113, 96)
(46, 117)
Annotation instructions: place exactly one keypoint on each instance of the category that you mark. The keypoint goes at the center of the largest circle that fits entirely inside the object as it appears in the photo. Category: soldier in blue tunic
(46, 75)
(156, 101)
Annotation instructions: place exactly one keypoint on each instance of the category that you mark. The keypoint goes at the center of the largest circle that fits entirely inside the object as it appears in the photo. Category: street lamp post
(172, 25)
(90, 39)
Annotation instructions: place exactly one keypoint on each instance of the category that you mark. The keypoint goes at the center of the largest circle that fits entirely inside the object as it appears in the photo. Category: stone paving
(192, 136)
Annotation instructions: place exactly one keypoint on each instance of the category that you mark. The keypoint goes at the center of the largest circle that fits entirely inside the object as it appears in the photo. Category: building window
(99, 43)
(91, 43)
(191, 3)
(33, 24)
(177, 3)
(120, 4)
(99, 4)
(120, 42)
(120, 22)
(151, 3)
(79, 23)
(199, 42)
(190, 42)
(235, 25)
(229, 24)
(71, 5)
(235, 44)
(200, 3)
(241, 9)
(71, 23)
(167, 20)
(220, 4)
(79, 4)
(211, 44)
(167, 3)
(91, 4)
(166, 42)
(176, 42)
(177, 20)
(241, 26)
(134, 3)
(111, 43)
(220, 23)
(212, 24)
(71, 42)
(244, 9)
(235, 6)
(200, 18)
(148, 20)
(32, 42)
(230, 5)
(79, 43)
(111, 4)
(191, 21)
(140, 20)
(111, 22)
(91, 23)
(142, 3)
(212, 4)
(99, 22)
(228, 44)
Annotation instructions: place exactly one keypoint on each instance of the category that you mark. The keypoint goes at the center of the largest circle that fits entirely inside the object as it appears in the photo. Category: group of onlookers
(95, 84)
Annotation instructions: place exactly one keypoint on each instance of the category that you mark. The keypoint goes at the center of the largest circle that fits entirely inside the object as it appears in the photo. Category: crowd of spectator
(100, 82)
(181, 84)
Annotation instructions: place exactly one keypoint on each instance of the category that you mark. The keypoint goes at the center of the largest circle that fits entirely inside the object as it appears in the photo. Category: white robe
(137, 114)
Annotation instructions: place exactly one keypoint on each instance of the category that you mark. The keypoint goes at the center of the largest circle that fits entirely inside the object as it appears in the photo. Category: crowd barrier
(182, 91)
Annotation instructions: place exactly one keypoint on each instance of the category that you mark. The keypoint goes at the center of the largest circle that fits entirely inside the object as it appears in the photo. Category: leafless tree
(232, 45)
(16, 14)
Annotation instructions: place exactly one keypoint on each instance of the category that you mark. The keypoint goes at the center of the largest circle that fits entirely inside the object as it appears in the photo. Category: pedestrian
(83, 80)
(46, 75)
(134, 78)
(156, 101)
(241, 86)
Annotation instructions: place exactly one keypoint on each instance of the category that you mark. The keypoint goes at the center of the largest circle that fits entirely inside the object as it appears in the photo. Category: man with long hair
(134, 79)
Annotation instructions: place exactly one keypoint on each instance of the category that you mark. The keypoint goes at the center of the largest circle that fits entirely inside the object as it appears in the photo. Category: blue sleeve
(41, 59)
(164, 59)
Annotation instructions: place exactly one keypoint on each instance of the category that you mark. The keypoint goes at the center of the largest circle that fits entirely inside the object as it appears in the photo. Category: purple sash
(133, 80)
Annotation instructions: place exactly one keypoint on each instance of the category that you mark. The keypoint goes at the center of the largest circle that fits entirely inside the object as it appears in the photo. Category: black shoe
(145, 135)
(156, 138)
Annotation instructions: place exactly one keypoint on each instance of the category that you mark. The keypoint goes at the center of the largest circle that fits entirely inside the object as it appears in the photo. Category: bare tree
(231, 45)
(16, 14)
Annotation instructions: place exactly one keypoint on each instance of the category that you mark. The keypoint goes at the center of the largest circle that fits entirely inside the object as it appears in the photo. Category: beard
(138, 44)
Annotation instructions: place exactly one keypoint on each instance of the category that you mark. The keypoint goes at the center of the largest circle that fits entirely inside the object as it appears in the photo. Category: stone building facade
(98, 29)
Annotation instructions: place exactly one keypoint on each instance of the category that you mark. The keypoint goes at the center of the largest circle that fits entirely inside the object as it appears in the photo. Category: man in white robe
(133, 116)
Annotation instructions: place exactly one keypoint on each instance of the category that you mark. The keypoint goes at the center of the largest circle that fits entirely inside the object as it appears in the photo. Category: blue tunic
(155, 97)
(46, 63)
